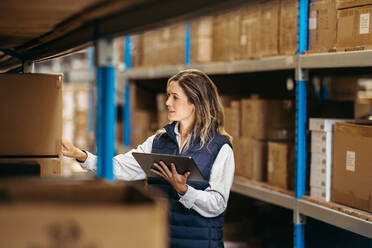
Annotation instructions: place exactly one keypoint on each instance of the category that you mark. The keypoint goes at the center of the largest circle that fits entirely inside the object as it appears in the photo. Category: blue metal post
(126, 107)
(187, 44)
(126, 115)
(127, 53)
(105, 108)
(301, 96)
(91, 102)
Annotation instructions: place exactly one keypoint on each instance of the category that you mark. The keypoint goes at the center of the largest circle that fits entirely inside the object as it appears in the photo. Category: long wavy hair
(209, 112)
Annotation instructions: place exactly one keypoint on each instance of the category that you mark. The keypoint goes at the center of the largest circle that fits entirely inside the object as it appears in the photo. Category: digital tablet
(182, 163)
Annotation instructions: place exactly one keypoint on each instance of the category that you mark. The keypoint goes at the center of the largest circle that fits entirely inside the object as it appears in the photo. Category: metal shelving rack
(301, 64)
(124, 22)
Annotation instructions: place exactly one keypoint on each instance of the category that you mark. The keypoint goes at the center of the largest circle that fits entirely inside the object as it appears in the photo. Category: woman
(197, 130)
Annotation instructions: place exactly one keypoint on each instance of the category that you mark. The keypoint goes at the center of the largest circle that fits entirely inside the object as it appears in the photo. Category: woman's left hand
(178, 181)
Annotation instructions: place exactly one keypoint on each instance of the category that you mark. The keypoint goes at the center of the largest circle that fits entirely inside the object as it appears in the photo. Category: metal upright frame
(106, 115)
(301, 64)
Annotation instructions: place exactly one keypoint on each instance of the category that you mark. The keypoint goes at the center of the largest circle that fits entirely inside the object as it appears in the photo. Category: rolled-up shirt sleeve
(125, 165)
(212, 201)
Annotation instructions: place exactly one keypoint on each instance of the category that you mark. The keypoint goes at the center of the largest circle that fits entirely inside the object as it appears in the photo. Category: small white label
(312, 23)
(312, 20)
(350, 161)
(243, 40)
(270, 166)
(364, 23)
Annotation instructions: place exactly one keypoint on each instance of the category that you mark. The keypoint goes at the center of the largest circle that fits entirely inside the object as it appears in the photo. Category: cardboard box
(81, 214)
(342, 88)
(288, 27)
(317, 193)
(321, 153)
(201, 34)
(250, 31)
(343, 4)
(250, 158)
(269, 28)
(232, 119)
(226, 36)
(280, 164)
(353, 28)
(267, 119)
(43, 167)
(322, 25)
(351, 180)
(362, 107)
(31, 114)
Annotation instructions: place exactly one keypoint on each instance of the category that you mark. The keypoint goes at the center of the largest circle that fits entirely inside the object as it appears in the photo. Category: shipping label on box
(351, 179)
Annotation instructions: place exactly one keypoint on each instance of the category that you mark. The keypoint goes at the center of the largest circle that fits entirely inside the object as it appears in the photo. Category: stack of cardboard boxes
(201, 30)
(265, 125)
(321, 157)
(163, 46)
(31, 126)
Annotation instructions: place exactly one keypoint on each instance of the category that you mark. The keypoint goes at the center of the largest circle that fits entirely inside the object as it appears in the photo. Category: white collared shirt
(210, 202)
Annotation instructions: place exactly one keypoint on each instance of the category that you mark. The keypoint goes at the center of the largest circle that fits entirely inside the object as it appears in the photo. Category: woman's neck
(185, 128)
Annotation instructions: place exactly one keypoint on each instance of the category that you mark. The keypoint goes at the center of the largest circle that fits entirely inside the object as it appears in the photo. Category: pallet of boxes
(31, 126)
(263, 139)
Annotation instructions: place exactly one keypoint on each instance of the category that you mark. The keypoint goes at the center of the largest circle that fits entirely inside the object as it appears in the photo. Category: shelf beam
(263, 194)
(335, 218)
(215, 68)
(336, 60)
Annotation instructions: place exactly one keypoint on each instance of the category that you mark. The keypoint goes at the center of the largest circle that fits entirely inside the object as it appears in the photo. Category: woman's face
(179, 108)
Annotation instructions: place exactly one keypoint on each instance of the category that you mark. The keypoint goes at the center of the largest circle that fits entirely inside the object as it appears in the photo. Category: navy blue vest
(187, 227)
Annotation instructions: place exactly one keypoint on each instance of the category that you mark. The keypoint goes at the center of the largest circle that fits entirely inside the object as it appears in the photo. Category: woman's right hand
(71, 151)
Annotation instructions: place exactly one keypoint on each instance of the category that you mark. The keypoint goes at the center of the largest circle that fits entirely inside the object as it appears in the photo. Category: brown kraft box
(48, 166)
(68, 213)
(288, 27)
(31, 114)
(322, 26)
(354, 28)
(250, 22)
(250, 158)
(267, 119)
(352, 168)
(232, 119)
(269, 25)
(343, 4)
(280, 165)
